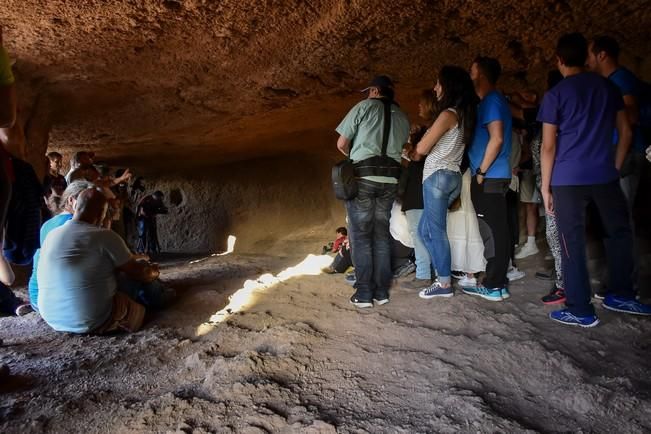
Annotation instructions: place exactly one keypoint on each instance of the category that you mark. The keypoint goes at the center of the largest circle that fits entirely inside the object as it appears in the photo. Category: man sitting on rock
(89, 280)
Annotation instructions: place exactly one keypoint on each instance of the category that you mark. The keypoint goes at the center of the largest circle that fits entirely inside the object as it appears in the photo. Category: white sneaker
(514, 274)
(468, 282)
(527, 250)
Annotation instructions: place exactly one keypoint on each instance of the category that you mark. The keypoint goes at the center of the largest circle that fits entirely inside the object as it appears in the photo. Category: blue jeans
(370, 240)
(440, 189)
(423, 261)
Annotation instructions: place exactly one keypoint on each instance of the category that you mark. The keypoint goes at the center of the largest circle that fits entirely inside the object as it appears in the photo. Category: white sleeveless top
(447, 153)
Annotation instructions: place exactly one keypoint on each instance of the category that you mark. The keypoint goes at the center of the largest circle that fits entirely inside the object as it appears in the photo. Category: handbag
(343, 180)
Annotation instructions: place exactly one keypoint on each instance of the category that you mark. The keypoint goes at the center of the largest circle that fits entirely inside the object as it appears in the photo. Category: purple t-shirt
(584, 108)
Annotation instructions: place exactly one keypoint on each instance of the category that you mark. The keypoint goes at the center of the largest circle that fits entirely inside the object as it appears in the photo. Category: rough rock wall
(170, 87)
(259, 201)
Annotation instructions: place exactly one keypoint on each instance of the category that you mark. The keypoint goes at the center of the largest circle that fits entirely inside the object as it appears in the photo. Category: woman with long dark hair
(444, 145)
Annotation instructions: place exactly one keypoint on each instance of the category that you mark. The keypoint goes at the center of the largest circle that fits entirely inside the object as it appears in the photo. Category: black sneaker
(556, 296)
(362, 303)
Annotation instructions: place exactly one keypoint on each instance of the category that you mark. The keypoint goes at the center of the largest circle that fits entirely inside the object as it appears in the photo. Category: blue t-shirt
(628, 84)
(54, 222)
(493, 107)
(584, 108)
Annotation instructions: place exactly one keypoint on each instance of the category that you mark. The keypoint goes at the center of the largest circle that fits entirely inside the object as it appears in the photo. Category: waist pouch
(378, 166)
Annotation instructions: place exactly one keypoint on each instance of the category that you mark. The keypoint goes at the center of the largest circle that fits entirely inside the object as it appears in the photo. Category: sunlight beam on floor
(245, 296)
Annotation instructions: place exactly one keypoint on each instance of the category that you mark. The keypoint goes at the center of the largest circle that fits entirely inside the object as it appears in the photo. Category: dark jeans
(147, 236)
(489, 200)
(512, 210)
(368, 230)
(342, 261)
(570, 203)
(8, 300)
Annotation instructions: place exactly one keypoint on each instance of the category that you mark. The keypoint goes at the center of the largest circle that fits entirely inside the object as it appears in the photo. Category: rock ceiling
(183, 83)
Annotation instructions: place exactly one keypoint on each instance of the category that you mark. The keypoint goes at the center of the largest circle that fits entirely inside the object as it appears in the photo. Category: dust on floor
(288, 353)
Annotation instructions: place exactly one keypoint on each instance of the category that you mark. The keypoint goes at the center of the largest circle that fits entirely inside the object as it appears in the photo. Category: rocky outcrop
(171, 87)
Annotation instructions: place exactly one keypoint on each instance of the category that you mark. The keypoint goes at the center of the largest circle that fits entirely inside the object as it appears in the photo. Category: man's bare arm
(494, 146)
(142, 271)
(547, 156)
(343, 144)
(632, 109)
(625, 137)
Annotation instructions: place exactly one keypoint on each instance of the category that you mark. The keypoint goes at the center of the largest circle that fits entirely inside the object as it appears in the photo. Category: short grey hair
(73, 190)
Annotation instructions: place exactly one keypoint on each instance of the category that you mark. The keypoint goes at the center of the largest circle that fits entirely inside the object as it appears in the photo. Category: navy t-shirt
(628, 84)
(493, 107)
(584, 108)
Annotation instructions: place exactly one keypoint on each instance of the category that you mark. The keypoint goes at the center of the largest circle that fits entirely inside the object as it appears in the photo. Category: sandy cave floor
(290, 354)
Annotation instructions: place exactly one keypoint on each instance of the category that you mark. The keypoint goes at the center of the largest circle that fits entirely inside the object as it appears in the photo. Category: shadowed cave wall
(231, 105)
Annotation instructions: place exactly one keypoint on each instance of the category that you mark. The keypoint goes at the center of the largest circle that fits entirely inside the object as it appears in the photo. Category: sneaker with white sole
(468, 282)
(24, 309)
(360, 303)
(529, 249)
(564, 316)
(626, 305)
(456, 274)
(514, 274)
(404, 270)
(436, 290)
(381, 300)
(492, 294)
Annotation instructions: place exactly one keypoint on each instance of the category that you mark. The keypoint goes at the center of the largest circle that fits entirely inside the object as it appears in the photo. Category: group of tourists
(581, 144)
(85, 276)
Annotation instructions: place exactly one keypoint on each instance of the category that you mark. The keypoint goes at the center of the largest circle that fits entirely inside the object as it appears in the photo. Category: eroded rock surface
(183, 83)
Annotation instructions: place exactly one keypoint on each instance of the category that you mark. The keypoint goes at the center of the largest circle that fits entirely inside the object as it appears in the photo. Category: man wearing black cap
(374, 125)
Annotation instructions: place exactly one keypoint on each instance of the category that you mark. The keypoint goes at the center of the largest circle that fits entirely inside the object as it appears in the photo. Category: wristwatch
(478, 172)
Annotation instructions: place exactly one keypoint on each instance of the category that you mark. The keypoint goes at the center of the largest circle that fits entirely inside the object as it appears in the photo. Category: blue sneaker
(492, 294)
(626, 305)
(436, 290)
(564, 316)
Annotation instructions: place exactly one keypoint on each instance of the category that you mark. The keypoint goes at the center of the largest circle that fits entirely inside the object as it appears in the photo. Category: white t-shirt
(77, 277)
(447, 153)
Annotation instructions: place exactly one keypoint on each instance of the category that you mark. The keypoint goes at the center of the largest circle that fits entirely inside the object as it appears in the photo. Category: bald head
(91, 206)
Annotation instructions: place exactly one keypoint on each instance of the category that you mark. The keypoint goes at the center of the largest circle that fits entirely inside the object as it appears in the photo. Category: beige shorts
(126, 315)
(528, 191)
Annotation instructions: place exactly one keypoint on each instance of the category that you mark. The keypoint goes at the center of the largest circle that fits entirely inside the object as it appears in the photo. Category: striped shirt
(447, 153)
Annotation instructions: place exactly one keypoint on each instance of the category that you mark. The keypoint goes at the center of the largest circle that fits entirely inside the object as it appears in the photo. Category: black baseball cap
(380, 81)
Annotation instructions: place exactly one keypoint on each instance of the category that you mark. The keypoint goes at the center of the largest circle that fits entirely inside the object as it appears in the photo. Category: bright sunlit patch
(245, 296)
(230, 248)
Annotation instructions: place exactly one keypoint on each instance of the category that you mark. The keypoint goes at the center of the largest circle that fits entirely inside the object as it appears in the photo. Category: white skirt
(466, 244)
